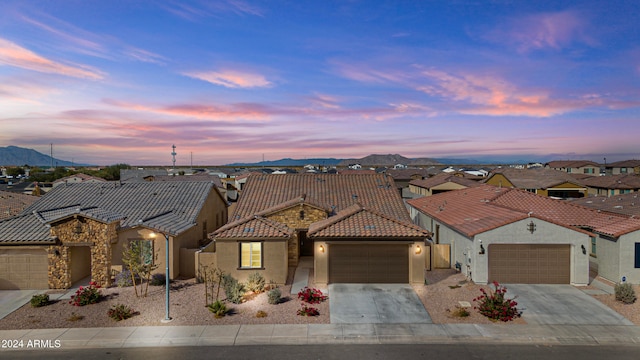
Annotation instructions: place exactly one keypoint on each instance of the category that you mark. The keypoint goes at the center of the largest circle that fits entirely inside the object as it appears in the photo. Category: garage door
(368, 263)
(530, 264)
(23, 270)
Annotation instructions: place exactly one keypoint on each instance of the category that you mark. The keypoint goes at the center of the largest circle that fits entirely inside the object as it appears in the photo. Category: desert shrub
(311, 295)
(308, 311)
(255, 282)
(233, 289)
(124, 279)
(495, 305)
(75, 317)
(261, 314)
(274, 296)
(625, 293)
(460, 312)
(120, 312)
(158, 279)
(218, 308)
(40, 300)
(86, 295)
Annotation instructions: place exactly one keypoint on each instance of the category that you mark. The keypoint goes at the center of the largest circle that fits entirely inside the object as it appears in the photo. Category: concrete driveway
(12, 300)
(561, 305)
(376, 304)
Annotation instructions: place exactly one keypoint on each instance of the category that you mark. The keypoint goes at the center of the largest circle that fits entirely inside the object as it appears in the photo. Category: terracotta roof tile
(627, 204)
(444, 178)
(12, 204)
(535, 178)
(622, 181)
(253, 227)
(357, 221)
(337, 191)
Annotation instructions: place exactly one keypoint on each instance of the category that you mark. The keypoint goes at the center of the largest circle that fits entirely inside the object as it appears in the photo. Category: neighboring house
(441, 183)
(402, 178)
(626, 204)
(575, 167)
(356, 227)
(78, 178)
(612, 185)
(80, 230)
(623, 167)
(514, 236)
(545, 182)
(199, 177)
(12, 204)
(355, 166)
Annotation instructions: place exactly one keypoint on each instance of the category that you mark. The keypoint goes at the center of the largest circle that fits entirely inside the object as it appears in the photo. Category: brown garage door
(368, 263)
(23, 270)
(530, 264)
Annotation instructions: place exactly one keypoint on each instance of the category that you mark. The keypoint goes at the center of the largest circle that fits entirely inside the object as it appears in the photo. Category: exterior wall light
(584, 250)
(418, 250)
(322, 249)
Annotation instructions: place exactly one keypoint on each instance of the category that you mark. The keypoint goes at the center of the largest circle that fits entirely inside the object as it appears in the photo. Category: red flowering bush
(308, 311)
(311, 296)
(495, 305)
(86, 295)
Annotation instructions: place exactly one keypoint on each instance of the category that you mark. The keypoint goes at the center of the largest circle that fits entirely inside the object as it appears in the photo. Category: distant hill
(292, 162)
(17, 156)
(388, 160)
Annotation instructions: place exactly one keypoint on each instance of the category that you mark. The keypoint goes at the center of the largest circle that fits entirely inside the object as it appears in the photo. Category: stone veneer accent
(291, 217)
(80, 231)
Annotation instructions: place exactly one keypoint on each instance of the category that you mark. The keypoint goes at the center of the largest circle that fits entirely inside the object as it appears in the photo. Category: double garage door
(530, 264)
(369, 263)
(23, 269)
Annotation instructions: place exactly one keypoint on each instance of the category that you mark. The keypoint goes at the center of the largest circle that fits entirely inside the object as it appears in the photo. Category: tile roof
(468, 210)
(168, 207)
(12, 203)
(622, 181)
(627, 204)
(541, 178)
(357, 221)
(624, 163)
(571, 163)
(215, 179)
(444, 178)
(81, 176)
(24, 230)
(470, 213)
(335, 191)
(407, 174)
(253, 227)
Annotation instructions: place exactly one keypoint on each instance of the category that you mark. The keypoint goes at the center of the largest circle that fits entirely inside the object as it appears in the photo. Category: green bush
(158, 279)
(255, 282)
(495, 305)
(274, 296)
(233, 289)
(123, 279)
(120, 312)
(218, 308)
(624, 292)
(40, 300)
(86, 295)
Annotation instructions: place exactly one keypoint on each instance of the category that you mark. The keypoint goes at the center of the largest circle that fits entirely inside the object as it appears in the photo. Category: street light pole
(167, 318)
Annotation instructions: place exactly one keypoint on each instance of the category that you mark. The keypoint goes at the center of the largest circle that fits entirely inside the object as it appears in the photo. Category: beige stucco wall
(80, 266)
(321, 263)
(227, 258)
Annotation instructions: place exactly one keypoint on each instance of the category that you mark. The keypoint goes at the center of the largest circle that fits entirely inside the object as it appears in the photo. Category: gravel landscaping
(441, 297)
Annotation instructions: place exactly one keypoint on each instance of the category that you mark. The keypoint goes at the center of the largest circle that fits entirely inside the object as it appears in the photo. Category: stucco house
(575, 166)
(623, 167)
(514, 236)
(80, 230)
(441, 183)
(356, 227)
(612, 184)
(545, 182)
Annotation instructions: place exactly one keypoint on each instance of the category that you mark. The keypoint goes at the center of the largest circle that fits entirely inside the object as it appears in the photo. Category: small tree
(210, 278)
(140, 263)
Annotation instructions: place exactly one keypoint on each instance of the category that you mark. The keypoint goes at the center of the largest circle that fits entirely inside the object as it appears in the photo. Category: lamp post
(167, 318)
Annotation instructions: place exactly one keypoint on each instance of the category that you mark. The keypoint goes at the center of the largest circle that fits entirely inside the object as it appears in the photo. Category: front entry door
(306, 245)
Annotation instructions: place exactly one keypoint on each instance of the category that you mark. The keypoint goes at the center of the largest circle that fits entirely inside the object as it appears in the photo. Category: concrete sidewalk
(216, 335)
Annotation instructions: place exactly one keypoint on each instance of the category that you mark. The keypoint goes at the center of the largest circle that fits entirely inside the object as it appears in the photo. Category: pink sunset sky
(228, 81)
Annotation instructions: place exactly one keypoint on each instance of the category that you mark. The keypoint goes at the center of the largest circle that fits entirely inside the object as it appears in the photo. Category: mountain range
(18, 156)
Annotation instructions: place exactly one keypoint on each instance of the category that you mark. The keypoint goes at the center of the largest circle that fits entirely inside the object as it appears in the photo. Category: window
(593, 245)
(588, 170)
(145, 249)
(623, 170)
(251, 255)
(637, 256)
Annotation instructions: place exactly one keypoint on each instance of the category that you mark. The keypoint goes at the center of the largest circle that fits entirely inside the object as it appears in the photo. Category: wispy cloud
(202, 9)
(556, 31)
(231, 78)
(14, 55)
(363, 72)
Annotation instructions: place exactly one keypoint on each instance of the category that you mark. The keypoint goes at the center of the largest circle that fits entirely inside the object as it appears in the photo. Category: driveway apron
(376, 304)
(562, 305)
